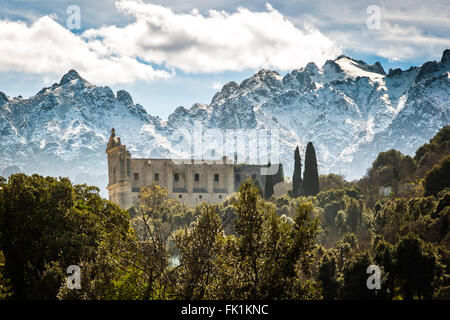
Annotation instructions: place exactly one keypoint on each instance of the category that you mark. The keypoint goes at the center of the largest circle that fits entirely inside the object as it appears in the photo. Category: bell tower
(119, 171)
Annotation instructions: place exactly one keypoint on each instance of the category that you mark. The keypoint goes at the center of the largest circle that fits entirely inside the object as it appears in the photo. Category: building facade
(190, 181)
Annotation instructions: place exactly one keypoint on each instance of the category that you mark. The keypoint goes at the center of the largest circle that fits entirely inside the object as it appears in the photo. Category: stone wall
(189, 181)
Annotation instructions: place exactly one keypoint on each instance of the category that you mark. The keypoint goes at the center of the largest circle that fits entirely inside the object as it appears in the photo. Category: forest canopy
(306, 244)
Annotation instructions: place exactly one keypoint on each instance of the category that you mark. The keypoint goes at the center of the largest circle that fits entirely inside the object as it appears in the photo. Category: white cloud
(45, 47)
(410, 30)
(216, 42)
(153, 37)
(393, 41)
(191, 42)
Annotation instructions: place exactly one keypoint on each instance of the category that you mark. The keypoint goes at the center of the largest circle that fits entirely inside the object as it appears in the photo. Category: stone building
(189, 181)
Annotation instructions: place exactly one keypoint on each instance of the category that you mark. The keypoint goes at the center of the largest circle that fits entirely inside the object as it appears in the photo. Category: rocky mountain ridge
(349, 109)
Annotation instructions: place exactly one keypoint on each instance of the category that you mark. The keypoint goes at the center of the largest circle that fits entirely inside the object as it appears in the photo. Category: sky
(175, 52)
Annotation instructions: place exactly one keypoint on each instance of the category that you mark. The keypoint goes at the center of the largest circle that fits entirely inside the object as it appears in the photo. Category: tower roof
(114, 141)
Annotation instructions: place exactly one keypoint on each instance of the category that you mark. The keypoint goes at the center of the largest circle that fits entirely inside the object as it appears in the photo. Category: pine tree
(311, 175)
(297, 183)
(268, 187)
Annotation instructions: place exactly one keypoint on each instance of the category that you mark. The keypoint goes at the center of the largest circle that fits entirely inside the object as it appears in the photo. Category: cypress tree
(311, 175)
(268, 187)
(297, 183)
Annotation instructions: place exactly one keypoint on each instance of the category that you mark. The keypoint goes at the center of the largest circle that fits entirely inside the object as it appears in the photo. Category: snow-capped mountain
(350, 110)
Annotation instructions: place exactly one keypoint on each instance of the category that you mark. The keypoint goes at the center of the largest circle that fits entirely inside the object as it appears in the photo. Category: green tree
(306, 227)
(48, 224)
(330, 211)
(391, 168)
(353, 209)
(268, 188)
(311, 175)
(430, 154)
(355, 277)
(270, 257)
(340, 221)
(416, 267)
(278, 270)
(198, 248)
(288, 254)
(328, 276)
(153, 231)
(421, 206)
(4, 282)
(332, 181)
(249, 227)
(384, 257)
(438, 178)
(390, 218)
(297, 182)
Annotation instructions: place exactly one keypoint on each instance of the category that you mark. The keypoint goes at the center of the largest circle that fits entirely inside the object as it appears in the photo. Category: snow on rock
(350, 110)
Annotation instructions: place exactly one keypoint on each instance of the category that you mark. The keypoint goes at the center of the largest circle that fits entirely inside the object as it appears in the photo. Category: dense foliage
(247, 247)
(311, 175)
(48, 224)
(297, 182)
(268, 186)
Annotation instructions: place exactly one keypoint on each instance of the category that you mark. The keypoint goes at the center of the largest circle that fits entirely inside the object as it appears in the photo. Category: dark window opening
(200, 196)
(197, 177)
(180, 196)
(220, 196)
(156, 176)
(216, 177)
(176, 176)
(135, 189)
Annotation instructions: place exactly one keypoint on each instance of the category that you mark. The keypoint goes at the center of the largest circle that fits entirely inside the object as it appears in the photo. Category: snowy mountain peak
(229, 87)
(260, 85)
(69, 76)
(312, 69)
(379, 68)
(350, 110)
(299, 80)
(263, 80)
(267, 74)
(199, 106)
(357, 68)
(344, 61)
(125, 97)
(332, 71)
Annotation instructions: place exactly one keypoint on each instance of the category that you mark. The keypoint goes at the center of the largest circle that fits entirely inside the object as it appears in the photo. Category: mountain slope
(350, 110)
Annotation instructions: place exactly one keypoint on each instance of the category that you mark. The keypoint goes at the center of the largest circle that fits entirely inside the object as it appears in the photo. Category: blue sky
(173, 52)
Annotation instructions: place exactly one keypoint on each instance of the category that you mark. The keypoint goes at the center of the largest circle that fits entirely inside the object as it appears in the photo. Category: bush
(438, 178)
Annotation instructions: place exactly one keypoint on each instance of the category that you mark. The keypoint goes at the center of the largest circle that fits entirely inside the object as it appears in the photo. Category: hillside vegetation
(315, 246)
